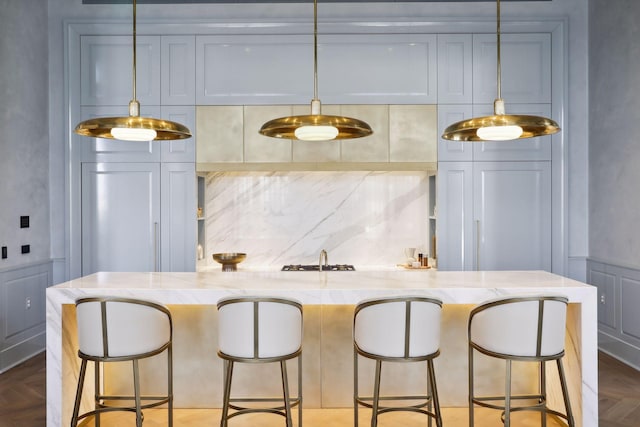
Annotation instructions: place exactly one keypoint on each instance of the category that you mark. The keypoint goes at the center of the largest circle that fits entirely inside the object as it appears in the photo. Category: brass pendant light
(316, 126)
(500, 126)
(133, 127)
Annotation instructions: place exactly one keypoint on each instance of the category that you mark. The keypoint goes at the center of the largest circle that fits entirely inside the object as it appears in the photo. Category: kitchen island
(328, 299)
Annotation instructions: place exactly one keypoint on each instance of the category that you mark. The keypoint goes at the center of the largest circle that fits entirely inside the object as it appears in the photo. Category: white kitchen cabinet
(454, 151)
(178, 71)
(356, 69)
(106, 70)
(120, 217)
(179, 150)
(526, 68)
(138, 217)
(494, 216)
(455, 69)
(178, 215)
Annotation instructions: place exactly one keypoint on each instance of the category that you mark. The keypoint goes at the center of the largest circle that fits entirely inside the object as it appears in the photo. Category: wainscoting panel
(618, 315)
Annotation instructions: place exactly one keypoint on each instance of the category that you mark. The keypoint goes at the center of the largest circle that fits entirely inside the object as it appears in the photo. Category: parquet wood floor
(22, 404)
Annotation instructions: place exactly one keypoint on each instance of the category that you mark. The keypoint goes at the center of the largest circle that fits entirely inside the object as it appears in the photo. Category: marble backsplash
(277, 218)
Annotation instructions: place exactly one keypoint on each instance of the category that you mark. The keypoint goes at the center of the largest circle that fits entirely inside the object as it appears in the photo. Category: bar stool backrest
(521, 326)
(258, 328)
(121, 327)
(402, 327)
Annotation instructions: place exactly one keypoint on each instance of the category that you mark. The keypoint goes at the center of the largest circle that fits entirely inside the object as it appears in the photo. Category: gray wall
(24, 127)
(614, 139)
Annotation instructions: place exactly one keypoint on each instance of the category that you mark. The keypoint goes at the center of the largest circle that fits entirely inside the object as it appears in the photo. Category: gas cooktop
(316, 267)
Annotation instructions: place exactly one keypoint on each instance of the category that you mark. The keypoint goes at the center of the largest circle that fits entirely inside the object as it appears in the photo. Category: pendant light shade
(500, 126)
(315, 126)
(132, 127)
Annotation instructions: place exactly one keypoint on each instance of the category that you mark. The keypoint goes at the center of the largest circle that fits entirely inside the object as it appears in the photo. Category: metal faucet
(325, 257)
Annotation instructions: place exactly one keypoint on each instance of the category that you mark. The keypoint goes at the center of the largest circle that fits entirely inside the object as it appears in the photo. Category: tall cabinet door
(454, 203)
(178, 229)
(120, 217)
(512, 213)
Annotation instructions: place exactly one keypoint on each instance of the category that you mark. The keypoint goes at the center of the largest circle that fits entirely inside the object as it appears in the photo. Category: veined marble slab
(327, 289)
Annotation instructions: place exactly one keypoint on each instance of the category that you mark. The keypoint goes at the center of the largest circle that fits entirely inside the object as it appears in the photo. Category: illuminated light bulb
(316, 133)
(134, 134)
(499, 133)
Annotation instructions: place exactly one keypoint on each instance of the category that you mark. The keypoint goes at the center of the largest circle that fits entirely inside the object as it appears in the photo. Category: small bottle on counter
(420, 258)
(425, 261)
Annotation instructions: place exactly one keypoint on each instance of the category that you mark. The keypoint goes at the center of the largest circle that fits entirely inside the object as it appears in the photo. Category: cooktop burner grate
(316, 267)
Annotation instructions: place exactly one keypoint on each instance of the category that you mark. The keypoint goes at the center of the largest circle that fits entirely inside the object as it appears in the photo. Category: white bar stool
(528, 328)
(402, 329)
(260, 330)
(116, 330)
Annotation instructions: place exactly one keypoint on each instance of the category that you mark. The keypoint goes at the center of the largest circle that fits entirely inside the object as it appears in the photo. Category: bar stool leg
(228, 372)
(170, 384)
(471, 419)
(96, 382)
(376, 395)
(543, 392)
(300, 390)
(434, 394)
(136, 391)
(76, 405)
(285, 391)
(565, 394)
(507, 396)
(355, 389)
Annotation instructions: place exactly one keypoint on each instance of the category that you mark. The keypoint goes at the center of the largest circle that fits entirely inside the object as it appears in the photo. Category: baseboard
(620, 350)
(20, 352)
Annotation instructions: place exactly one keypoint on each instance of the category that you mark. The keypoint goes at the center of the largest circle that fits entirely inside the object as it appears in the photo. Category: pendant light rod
(134, 50)
(315, 49)
(499, 62)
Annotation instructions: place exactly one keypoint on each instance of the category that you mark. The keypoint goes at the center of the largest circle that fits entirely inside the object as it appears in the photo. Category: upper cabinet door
(352, 69)
(455, 69)
(526, 68)
(107, 70)
(453, 150)
(178, 70)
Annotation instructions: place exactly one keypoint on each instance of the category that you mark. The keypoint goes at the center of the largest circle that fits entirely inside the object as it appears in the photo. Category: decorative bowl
(229, 260)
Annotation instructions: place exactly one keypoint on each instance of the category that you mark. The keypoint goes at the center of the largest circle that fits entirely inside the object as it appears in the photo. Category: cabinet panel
(362, 69)
(630, 290)
(512, 207)
(455, 69)
(453, 150)
(120, 217)
(113, 150)
(178, 227)
(521, 149)
(179, 150)
(526, 68)
(24, 304)
(106, 70)
(178, 70)
(454, 204)
(606, 284)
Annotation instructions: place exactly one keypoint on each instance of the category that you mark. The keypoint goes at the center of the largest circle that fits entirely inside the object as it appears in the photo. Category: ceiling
(286, 1)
